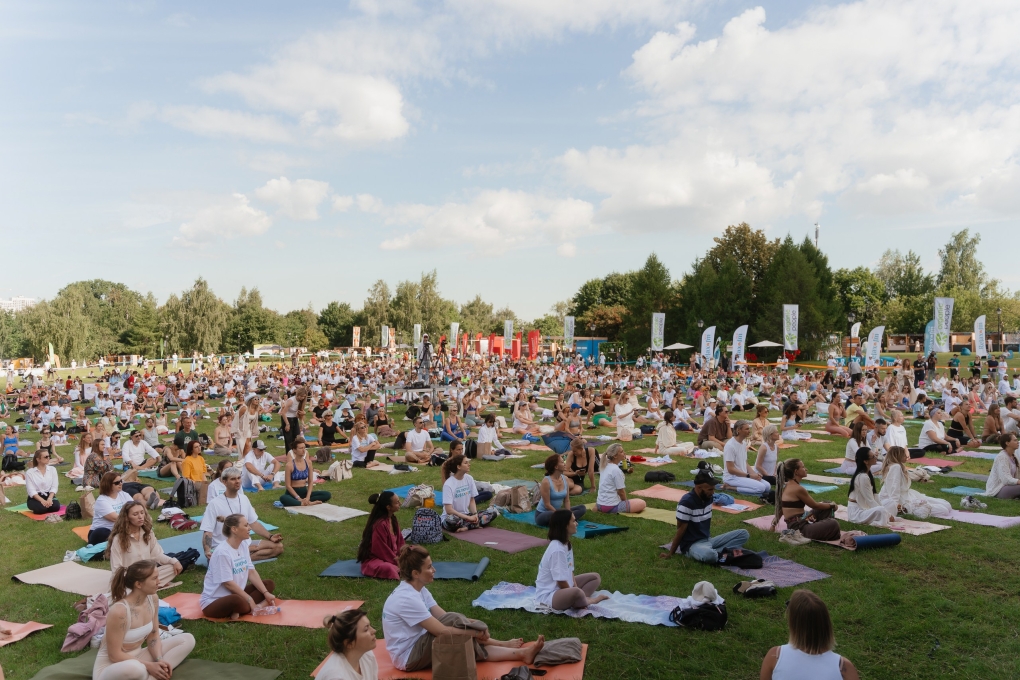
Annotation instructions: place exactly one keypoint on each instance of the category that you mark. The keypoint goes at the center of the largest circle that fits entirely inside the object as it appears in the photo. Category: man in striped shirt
(694, 525)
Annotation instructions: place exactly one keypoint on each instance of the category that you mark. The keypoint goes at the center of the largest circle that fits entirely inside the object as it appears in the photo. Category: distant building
(17, 303)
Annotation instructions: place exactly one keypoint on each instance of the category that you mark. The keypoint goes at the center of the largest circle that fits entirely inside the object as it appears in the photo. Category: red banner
(533, 338)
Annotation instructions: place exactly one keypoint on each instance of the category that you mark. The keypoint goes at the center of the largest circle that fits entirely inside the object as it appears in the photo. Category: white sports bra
(135, 636)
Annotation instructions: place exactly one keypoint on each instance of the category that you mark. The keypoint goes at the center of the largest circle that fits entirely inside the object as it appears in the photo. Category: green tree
(336, 321)
(143, 336)
(250, 323)
(67, 324)
(791, 279)
(300, 328)
(375, 312)
(862, 293)
(12, 336)
(717, 293)
(960, 267)
(650, 290)
(417, 302)
(749, 249)
(478, 316)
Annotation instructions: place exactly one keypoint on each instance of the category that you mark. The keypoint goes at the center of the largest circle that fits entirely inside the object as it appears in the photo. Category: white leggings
(175, 651)
(747, 485)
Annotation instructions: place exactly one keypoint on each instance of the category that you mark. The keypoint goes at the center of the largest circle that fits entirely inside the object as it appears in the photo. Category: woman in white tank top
(808, 655)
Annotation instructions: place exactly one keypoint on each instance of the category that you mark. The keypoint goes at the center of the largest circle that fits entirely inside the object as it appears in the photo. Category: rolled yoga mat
(877, 541)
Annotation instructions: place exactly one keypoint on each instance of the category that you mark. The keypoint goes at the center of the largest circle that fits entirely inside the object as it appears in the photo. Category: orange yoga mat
(82, 533)
(304, 613)
(20, 631)
(662, 493)
(487, 670)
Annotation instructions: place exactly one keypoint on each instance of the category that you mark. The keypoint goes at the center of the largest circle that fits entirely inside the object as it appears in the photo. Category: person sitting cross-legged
(694, 525)
(232, 586)
(230, 503)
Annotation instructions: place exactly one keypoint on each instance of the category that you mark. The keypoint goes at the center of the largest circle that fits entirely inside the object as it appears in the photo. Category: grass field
(941, 605)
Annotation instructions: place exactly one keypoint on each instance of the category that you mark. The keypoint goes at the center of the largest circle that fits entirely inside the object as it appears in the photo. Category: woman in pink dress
(381, 540)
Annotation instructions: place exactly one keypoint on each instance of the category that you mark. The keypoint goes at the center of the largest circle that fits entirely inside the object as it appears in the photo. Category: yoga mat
(41, 518)
(585, 529)
(80, 668)
(154, 474)
(299, 613)
(17, 508)
(830, 460)
(20, 631)
(965, 491)
(901, 525)
(651, 463)
(69, 577)
(784, 573)
(818, 488)
(402, 491)
(990, 448)
(88, 552)
(937, 462)
(733, 511)
(822, 479)
(468, 571)
(974, 454)
(835, 471)
(266, 525)
(326, 511)
(784, 445)
(531, 484)
(656, 514)
(877, 541)
(966, 475)
(983, 519)
(500, 539)
(660, 492)
(81, 532)
(486, 670)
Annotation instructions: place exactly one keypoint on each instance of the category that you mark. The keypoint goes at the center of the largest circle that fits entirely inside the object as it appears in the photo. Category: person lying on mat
(1004, 479)
(233, 587)
(582, 463)
(554, 492)
(299, 478)
(133, 619)
(460, 511)
(412, 619)
(694, 525)
(792, 498)
(351, 640)
(132, 540)
(863, 506)
(260, 468)
(234, 502)
(41, 484)
(556, 585)
(381, 540)
(112, 499)
(736, 475)
(612, 495)
(809, 653)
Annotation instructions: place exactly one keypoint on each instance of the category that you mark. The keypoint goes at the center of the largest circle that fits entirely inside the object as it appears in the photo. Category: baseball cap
(260, 445)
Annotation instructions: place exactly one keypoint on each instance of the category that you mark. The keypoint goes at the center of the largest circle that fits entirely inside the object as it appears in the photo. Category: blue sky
(519, 147)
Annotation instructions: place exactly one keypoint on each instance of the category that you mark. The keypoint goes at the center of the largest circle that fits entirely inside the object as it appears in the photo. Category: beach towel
(937, 462)
(300, 613)
(486, 670)
(984, 520)
(468, 571)
(499, 539)
(69, 577)
(653, 610)
(784, 573)
(80, 668)
(327, 512)
(585, 529)
(818, 488)
(965, 491)
(20, 631)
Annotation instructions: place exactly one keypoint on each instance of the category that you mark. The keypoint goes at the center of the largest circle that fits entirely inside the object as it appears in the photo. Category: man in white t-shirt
(259, 470)
(232, 502)
(135, 450)
(418, 446)
(736, 475)
(1010, 417)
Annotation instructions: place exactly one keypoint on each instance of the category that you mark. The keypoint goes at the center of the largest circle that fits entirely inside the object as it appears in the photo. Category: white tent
(766, 343)
(678, 345)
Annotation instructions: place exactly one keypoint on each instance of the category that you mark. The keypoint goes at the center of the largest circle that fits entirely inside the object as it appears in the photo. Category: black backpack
(412, 412)
(73, 511)
(706, 616)
(471, 448)
(11, 463)
(647, 429)
(740, 558)
(187, 558)
(659, 476)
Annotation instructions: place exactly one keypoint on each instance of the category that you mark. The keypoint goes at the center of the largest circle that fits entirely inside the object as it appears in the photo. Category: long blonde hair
(897, 455)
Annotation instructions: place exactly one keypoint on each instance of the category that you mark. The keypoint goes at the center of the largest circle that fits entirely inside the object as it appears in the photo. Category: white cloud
(885, 107)
(229, 217)
(494, 219)
(342, 203)
(211, 122)
(298, 200)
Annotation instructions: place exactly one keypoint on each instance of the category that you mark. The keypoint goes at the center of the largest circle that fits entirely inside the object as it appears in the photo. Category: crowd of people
(330, 404)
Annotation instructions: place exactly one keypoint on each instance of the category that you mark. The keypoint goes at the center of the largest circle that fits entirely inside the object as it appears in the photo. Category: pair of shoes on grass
(793, 537)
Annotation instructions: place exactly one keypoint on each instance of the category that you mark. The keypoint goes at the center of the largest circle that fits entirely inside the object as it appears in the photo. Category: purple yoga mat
(500, 539)
(984, 519)
(784, 573)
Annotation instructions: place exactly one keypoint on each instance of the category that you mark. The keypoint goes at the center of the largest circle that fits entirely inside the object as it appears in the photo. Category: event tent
(678, 345)
(766, 343)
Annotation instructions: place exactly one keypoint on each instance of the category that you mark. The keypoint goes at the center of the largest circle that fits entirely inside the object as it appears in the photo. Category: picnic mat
(326, 511)
(499, 539)
(983, 519)
(972, 454)
(937, 462)
(966, 475)
(784, 573)
(80, 668)
(469, 571)
(653, 610)
(20, 631)
(585, 529)
(69, 577)
(965, 491)
(301, 613)
(402, 491)
(486, 670)
(818, 488)
(901, 525)
(822, 479)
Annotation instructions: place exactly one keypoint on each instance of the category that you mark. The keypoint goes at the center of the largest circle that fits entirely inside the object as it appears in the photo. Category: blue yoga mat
(585, 529)
(402, 491)
(877, 541)
(818, 488)
(468, 571)
(965, 491)
(90, 551)
(267, 525)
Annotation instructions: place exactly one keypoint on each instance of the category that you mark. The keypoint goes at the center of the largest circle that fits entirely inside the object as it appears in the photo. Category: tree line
(745, 278)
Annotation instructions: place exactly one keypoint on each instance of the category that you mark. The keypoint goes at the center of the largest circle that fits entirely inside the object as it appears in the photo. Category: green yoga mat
(80, 668)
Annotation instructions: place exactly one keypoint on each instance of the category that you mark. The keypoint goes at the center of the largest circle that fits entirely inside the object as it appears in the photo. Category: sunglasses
(118, 482)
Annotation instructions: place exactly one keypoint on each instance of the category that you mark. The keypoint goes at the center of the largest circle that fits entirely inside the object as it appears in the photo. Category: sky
(517, 147)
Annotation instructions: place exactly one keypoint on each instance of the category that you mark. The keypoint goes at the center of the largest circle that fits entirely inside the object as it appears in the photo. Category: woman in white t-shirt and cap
(556, 585)
(612, 495)
(412, 619)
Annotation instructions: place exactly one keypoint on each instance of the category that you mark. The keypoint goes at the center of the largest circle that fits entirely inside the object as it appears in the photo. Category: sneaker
(793, 537)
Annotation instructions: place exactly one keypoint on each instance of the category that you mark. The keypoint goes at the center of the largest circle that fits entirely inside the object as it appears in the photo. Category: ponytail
(230, 522)
(784, 472)
(125, 578)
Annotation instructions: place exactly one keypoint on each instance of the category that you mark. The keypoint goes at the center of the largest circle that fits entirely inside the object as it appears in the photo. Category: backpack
(426, 527)
(437, 459)
(412, 412)
(706, 616)
(11, 463)
(647, 429)
(471, 448)
(416, 496)
(756, 588)
(768, 497)
(738, 557)
(323, 454)
(187, 557)
(186, 492)
(73, 511)
(659, 476)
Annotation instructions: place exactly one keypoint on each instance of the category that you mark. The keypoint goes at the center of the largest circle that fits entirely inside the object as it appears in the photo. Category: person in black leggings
(291, 412)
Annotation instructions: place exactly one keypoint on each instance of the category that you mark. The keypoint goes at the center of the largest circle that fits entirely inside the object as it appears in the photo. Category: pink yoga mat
(303, 613)
(40, 518)
(662, 493)
(984, 519)
(500, 539)
(937, 462)
(19, 631)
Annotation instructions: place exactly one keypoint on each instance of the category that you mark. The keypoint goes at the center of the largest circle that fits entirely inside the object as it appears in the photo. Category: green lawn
(941, 605)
